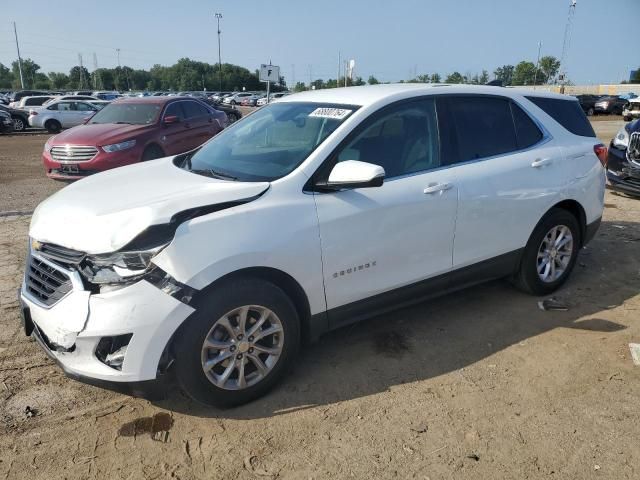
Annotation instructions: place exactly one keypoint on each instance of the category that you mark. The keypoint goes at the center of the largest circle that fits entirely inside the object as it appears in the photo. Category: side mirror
(354, 174)
(171, 119)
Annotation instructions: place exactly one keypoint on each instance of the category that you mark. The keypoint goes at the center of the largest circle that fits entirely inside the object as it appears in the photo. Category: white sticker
(326, 112)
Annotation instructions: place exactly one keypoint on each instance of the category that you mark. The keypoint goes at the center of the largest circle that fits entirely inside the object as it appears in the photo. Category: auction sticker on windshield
(325, 112)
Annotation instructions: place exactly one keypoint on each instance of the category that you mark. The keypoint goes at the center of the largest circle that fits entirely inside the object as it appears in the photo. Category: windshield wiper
(123, 123)
(215, 174)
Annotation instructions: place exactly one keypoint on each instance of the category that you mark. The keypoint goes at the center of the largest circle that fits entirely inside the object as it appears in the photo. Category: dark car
(623, 162)
(6, 123)
(20, 117)
(588, 103)
(610, 105)
(129, 131)
(27, 93)
(233, 114)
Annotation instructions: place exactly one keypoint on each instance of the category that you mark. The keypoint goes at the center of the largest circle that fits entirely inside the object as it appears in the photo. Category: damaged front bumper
(72, 328)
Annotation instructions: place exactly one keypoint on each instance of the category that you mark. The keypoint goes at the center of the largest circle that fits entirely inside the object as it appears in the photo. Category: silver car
(61, 114)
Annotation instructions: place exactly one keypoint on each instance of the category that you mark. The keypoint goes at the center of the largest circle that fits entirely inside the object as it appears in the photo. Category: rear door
(200, 122)
(83, 111)
(65, 113)
(507, 171)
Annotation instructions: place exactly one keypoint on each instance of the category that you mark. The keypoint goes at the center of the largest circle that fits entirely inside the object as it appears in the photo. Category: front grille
(633, 150)
(73, 153)
(61, 255)
(45, 283)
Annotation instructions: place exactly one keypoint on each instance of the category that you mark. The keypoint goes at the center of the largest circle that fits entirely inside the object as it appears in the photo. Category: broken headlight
(119, 267)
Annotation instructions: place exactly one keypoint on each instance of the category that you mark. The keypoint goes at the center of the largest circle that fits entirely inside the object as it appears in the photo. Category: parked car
(107, 95)
(588, 103)
(6, 122)
(631, 110)
(61, 114)
(26, 103)
(623, 161)
(610, 105)
(17, 96)
(20, 117)
(130, 131)
(236, 98)
(311, 213)
(252, 100)
(272, 98)
(233, 114)
(71, 97)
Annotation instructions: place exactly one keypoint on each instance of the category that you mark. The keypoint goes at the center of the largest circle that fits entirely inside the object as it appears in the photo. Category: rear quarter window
(567, 113)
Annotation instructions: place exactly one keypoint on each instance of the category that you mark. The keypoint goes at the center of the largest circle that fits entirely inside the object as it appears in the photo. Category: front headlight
(621, 140)
(47, 144)
(119, 267)
(117, 147)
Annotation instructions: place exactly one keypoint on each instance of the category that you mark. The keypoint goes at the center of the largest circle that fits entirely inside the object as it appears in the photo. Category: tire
(18, 124)
(528, 279)
(53, 126)
(232, 117)
(590, 112)
(627, 119)
(151, 153)
(207, 323)
(233, 102)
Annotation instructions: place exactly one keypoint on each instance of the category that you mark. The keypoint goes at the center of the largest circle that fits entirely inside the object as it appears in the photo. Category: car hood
(104, 212)
(98, 134)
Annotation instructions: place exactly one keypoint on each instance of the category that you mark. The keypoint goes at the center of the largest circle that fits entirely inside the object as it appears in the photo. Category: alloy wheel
(242, 347)
(554, 253)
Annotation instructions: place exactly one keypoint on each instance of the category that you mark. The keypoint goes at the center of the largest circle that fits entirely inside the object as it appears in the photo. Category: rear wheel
(152, 152)
(18, 124)
(590, 112)
(550, 254)
(53, 126)
(232, 117)
(240, 341)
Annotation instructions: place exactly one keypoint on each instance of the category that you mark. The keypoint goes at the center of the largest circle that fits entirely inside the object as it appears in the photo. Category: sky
(391, 40)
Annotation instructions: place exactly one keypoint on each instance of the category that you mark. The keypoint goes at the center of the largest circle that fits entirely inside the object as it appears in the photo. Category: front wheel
(53, 126)
(550, 254)
(152, 152)
(590, 112)
(240, 341)
(232, 117)
(18, 124)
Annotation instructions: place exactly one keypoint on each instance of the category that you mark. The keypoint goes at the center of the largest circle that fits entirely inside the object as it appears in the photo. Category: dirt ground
(479, 384)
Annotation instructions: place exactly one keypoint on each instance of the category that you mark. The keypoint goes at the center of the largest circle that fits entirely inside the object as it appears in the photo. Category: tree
(6, 76)
(435, 78)
(635, 78)
(300, 87)
(524, 73)
(29, 70)
(58, 80)
(549, 66)
(484, 78)
(504, 74)
(79, 78)
(454, 77)
(372, 80)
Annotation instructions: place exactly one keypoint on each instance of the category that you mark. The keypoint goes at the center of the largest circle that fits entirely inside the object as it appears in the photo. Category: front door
(376, 240)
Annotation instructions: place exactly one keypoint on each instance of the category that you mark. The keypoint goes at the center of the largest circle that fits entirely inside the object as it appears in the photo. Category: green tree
(372, 80)
(549, 66)
(635, 78)
(29, 70)
(79, 78)
(435, 78)
(455, 77)
(6, 76)
(301, 87)
(484, 78)
(504, 74)
(58, 80)
(524, 73)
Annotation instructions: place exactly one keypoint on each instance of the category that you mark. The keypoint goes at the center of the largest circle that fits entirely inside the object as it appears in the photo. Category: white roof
(370, 94)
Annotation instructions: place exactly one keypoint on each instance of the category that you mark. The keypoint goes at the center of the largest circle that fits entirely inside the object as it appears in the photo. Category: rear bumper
(101, 162)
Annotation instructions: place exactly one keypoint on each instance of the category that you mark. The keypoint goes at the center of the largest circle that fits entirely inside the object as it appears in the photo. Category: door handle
(541, 162)
(436, 187)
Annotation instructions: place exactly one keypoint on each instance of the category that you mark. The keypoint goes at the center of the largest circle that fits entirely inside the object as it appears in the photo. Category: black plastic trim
(591, 230)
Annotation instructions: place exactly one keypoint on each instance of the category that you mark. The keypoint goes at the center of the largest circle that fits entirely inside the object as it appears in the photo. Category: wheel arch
(154, 144)
(577, 210)
(283, 280)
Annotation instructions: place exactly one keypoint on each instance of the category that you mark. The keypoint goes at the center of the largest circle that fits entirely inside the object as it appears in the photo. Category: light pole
(535, 75)
(218, 17)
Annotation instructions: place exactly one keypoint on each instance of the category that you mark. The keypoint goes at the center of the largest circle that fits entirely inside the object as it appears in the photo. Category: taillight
(601, 152)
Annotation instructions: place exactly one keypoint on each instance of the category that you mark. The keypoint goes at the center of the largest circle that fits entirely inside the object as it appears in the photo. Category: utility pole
(310, 77)
(339, 67)
(293, 77)
(535, 75)
(218, 17)
(95, 71)
(565, 45)
(15, 31)
(81, 84)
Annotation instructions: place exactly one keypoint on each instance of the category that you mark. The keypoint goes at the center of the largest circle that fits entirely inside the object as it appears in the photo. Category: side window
(567, 113)
(527, 132)
(53, 107)
(483, 127)
(64, 106)
(175, 109)
(84, 107)
(194, 109)
(403, 140)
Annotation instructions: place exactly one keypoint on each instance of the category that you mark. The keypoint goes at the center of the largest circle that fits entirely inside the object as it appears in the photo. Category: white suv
(313, 212)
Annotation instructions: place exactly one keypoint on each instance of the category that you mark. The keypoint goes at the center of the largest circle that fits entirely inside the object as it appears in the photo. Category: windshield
(131, 113)
(269, 143)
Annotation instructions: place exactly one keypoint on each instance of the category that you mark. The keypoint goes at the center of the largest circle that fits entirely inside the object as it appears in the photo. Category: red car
(129, 131)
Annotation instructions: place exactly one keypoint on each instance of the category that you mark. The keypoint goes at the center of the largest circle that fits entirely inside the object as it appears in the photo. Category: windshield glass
(132, 113)
(269, 143)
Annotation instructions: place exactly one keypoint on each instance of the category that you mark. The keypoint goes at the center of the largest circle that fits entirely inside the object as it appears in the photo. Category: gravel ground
(477, 384)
